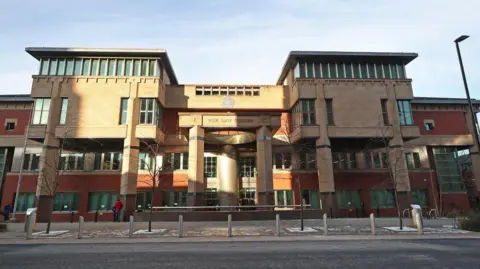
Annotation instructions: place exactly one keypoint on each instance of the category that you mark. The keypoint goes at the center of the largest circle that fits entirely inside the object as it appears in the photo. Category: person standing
(7, 209)
(117, 209)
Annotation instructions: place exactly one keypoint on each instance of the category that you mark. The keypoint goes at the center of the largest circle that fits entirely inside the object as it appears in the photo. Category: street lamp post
(472, 113)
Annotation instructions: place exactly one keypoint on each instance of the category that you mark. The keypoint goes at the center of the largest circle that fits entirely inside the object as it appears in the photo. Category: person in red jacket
(117, 208)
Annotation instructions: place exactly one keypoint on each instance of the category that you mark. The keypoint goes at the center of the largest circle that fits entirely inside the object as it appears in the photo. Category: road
(437, 253)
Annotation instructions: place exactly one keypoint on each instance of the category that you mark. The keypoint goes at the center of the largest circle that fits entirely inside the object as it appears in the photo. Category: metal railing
(229, 208)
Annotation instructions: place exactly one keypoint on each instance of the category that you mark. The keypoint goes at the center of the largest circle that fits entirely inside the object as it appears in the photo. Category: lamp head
(461, 38)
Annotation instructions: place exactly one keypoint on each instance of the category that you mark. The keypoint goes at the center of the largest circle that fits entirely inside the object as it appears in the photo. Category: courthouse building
(340, 130)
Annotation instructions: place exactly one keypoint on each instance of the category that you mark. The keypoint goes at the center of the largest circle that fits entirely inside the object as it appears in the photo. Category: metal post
(72, 216)
(130, 231)
(80, 227)
(418, 219)
(277, 225)
(180, 226)
(229, 225)
(325, 226)
(30, 219)
(372, 223)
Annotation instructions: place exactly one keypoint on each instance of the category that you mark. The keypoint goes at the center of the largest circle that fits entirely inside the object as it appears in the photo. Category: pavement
(399, 253)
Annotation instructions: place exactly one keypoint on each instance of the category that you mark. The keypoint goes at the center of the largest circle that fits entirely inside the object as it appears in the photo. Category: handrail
(408, 211)
(431, 211)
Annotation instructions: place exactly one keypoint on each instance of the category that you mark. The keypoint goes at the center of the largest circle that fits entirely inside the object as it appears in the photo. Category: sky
(247, 41)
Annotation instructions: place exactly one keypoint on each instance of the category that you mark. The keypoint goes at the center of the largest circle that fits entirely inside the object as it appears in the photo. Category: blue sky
(247, 41)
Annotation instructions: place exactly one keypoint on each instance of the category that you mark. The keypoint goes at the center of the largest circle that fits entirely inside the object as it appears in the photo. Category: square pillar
(265, 194)
(196, 177)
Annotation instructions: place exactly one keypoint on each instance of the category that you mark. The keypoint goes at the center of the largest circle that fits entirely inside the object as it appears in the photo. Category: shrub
(3, 226)
(471, 222)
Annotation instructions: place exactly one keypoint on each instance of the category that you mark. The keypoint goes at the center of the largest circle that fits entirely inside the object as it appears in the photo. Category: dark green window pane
(69, 70)
(340, 70)
(151, 69)
(86, 67)
(44, 66)
(61, 67)
(103, 67)
(120, 63)
(57, 202)
(302, 72)
(95, 67)
(144, 67)
(379, 69)
(371, 70)
(356, 70)
(409, 160)
(376, 160)
(53, 67)
(363, 69)
(333, 70)
(78, 67)
(289, 197)
(401, 73)
(309, 70)
(393, 68)
(111, 67)
(348, 70)
(128, 67)
(416, 160)
(324, 70)
(386, 71)
(93, 201)
(317, 70)
(136, 68)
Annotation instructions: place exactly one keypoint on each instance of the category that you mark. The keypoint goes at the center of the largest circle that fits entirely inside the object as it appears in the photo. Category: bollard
(72, 216)
(277, 225)
(418, 219)
(325, 226)
(30, 219)
(372, 223)
(229, 225)
(130, 231)
(80, 227)
(180, 226)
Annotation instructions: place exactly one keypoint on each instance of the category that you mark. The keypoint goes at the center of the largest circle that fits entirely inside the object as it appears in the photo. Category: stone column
(228, 176)
(264, 167)
(326, 182)
(474, 150)
(47, 180)
(131, 146)
(196, 176)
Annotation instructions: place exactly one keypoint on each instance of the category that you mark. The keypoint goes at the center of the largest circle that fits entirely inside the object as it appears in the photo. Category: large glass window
(210, 197)
(363, 70)
(387, 71)
(348, 70)
(340, 70)
(40, 113)
(404, 112)
(61, 67)
(151, 112)
(63, 112)
(371, 70)
(448, 169)
(144, 200)
(356, 70)
(247, 196)
(308, 112)
(103, 67)
(25, 200)
(325, 73)
(66, 201)
(284, 197)
(308, 159)
(344, 160)
(128, 67)
(413, 160)
(101, 201)
(419, 197)
(136, 67)
(86, 67)
(210, 166)
(310, 197)
(348, 199)
(302, 70)
(176, 161)
(72, 161)
(78, 67)
(146, 162)
(44, 66)
(382, 198)
(107, 161)
(283, 160)
(174, 198)
(151, 68)
(31, 162)
(247, 166)
(123, 110)
(120, 63)
(53, 67)
(401, 72)
(310, 69)
(144, 68)
(111, 67)
(379, 69)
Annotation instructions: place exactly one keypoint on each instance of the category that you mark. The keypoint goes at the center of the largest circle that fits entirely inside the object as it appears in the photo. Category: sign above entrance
(230, 121)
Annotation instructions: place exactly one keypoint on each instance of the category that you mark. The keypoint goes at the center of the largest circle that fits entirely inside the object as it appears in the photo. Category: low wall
(223, 215)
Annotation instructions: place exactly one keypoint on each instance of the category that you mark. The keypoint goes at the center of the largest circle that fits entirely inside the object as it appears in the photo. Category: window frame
(28, 163)
(103, 163)
(75, 196)
(63, 111)
(43, 111)
(123, 111)
(285, 159)
(405, 112)
(79, 162)
(24, 206)
(386, 202)
(111, 199)
(287, 195)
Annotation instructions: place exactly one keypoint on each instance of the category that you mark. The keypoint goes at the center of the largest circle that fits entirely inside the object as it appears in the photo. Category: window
(69, 69)
(44, 67)
(151, 112)
(247, 196)
(404, 112)
(385, 112)
(210, 197)
(25, 201)
(308, 112)
(151, 68)
(210, 166)
(107, 161)
(310, 197)
(363, 70)
(144, 201)
(386, 71)
(401, 72)
(325, 73)
(429, 126)
(9, 125)
(419, 197)
(340, 70)
(283, 160)
(119, 69)
(111, 67)
(101, 201)
(284, 197)
(247, 166)
(123, 111)
(103, 67)
(371, 70)
(66, 201)
(95, 67)
(40, 113)
(176, 161)
(413, 160)
(448, 169)
(348, 70)
(380, 160)
(78, 67)
(146, 162)
(348, 199)
(63, 113)
(144, 68)
(31, 162)
(72, 162)
(128, 67)
(382, 198)
(379, 69)
(86, 67)
(393, 70)
(136, 68)
(53, 67)
(61, 67)
(308, 160)
(174, 198)
(356, 70)
(329, 107)
(344, 160)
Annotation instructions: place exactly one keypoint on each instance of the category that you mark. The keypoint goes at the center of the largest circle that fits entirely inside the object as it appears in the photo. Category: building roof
(39, 52)
(16, 98)
(337, 56)
(439, 100)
